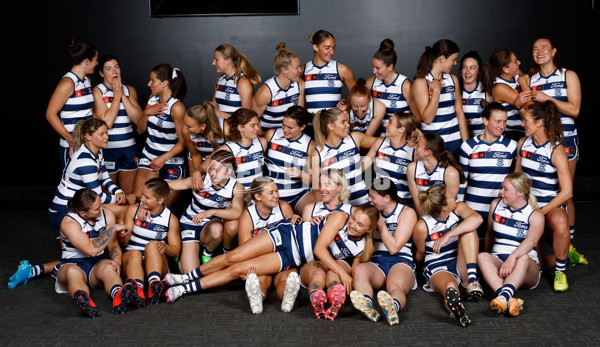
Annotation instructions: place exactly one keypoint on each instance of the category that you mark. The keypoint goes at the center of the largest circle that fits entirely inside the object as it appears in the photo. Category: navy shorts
(120, 159)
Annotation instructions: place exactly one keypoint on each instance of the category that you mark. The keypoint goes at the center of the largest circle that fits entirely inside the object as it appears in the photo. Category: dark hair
(493, 68)
(550, 115)
(82, 200)
(472, 55)
(384, 186)
(320, 36)
(443, 47)
(80, 51)
(97, 79)
(299, 113)
(535, 68)
(164, 72)
(386, 53)
(491, 107)
(241, 116)
(436, 145)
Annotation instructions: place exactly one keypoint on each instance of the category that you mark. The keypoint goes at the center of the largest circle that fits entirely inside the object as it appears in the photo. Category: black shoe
(455, 305)
(155, 291)
(139, 299)
(85, 303)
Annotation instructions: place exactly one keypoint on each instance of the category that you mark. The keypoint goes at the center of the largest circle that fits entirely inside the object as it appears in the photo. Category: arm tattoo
(114, 254)
(103, 238)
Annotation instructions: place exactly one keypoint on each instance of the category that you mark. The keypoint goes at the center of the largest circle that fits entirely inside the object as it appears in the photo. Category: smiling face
(325, 50)
(156, 86)
(512, 69)
(191, 126)
(531, 125)
(380, 70)
(421, 150)
(341, 126)
(359, 224)
(291, 129)
(378, 200)
(391, 128)
(251, 129)
(496, 125)
(360, 104)
(220, 63)
(469, 70)
(329, 189)
(149, 201)
(543, 52)
(269, 196)
(219, 173)
(446, 64)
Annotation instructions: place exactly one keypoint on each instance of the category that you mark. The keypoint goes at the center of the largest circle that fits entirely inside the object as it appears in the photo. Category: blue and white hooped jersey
(249, 160)
(471, 100)
(202, 144)
(391, 96)
(445, 122)
(319, 209)
(226, 94)
(322, 86)
(510, 229)
(485, 166)
(391, 221)
(425, 179)
(435, 229)
(392, 163)
(162, 135)
(555, 86)
(155, 227)
(536, 163)
(362, 124)
(78, 106)
(259, 223)
(514, 120)
(121, 134)
(84, 170)
(209, 198)
(346, 156)
(92, 230)
(282, 154)
(281, 100)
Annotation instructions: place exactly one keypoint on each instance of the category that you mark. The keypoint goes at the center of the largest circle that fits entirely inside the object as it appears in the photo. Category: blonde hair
(283, 58)
(522, 184)
(83, 127)
(373, 214)
(321, 120)
(206, 114)
(241, 63)
(406, 120)
(256, 187)
(433, 200)
(338, 177)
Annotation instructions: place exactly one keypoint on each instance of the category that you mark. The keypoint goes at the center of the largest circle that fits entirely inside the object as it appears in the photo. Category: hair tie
(174, 75)
(428, 49)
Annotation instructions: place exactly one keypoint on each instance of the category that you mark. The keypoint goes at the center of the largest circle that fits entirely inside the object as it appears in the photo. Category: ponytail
(177, 84)
(443, 47)
(322, 119)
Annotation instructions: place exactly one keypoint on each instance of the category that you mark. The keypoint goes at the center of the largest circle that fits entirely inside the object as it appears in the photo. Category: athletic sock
(226, 250)
(192, 287)
(472, 272)
(397, 305)
(114, 290)
(507, 291)
(572, 232)
(194, 274)
(369, 300)
(561, 264)
(154, 275)
(36, 271)
(140, 283)
(207, 253)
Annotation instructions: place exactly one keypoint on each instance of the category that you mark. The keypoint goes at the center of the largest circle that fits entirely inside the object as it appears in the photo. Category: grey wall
(125, 29)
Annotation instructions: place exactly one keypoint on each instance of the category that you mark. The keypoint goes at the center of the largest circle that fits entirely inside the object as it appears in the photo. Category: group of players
(301, 187)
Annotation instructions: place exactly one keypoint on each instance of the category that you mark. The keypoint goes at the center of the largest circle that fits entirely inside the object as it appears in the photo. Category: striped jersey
(78, 106)
(471, 100)
(555, 86)
(155, 227)
(281, 100)
(514, 121)
(209, 198)
(536, 162)
(391, 221)
(121, 134)
(445, 122)
(259, 223)
(92, 231)
(249, 160)
(282, 154)
(362, 124)
(322, 86)
(435, 229)
(226, 94)
(392, 162)
(510, 229)
(162, 135)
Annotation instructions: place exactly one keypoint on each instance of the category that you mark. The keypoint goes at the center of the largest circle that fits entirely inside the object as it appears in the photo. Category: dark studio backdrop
(36, 44)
